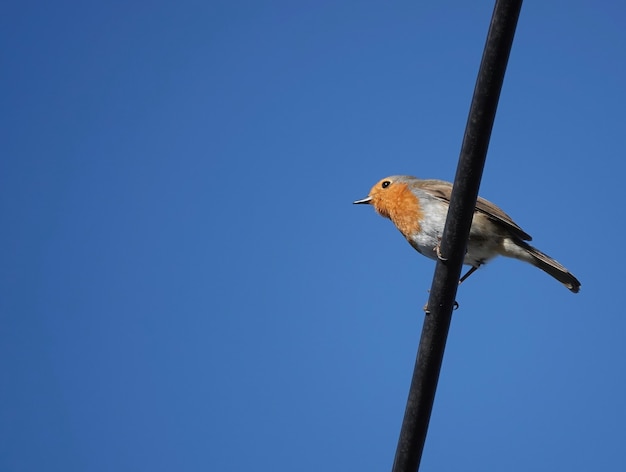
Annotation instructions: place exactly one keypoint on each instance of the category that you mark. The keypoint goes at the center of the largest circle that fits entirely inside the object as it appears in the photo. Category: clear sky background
(186, 285)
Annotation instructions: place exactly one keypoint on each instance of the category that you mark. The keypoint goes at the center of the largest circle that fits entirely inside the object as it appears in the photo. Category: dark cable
(452, 248)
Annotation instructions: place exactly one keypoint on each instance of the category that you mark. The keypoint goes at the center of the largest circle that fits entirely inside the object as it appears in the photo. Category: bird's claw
(438, 251)
(454, 307)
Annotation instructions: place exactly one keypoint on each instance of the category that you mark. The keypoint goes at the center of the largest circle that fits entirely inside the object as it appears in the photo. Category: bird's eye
(386, 184)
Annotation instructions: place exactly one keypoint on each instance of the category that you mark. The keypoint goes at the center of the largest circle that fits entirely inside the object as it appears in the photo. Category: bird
(418, 208)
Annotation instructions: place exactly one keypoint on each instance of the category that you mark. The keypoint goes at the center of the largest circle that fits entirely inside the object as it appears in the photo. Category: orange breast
(401, 206)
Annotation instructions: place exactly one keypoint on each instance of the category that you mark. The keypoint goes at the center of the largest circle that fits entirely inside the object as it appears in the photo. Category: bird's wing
(443, 190)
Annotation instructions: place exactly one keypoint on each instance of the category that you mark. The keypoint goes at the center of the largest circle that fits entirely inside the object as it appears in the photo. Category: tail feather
(528, 253)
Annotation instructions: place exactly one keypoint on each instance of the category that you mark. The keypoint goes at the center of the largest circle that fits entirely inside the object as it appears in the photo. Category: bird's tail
(528, 253)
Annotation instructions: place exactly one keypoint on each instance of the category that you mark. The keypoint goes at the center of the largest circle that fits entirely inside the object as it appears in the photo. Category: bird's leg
(469, 272)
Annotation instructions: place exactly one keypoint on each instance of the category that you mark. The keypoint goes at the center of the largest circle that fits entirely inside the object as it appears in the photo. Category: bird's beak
(367, 200)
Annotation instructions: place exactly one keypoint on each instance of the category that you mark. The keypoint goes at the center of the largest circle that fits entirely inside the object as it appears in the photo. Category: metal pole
(463, 201)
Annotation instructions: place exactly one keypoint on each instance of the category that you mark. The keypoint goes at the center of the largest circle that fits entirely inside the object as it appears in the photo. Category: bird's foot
(438, 251)
(454, 307)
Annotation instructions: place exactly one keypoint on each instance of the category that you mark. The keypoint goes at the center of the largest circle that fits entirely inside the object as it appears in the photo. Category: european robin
(418, 208)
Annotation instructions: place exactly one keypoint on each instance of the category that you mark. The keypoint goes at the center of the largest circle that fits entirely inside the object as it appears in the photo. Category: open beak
(367, 199)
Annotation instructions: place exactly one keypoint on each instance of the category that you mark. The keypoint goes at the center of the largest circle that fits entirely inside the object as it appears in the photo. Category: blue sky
(185, 284)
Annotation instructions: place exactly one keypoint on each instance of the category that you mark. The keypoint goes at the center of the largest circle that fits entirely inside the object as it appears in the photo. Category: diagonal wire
(445, 281)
